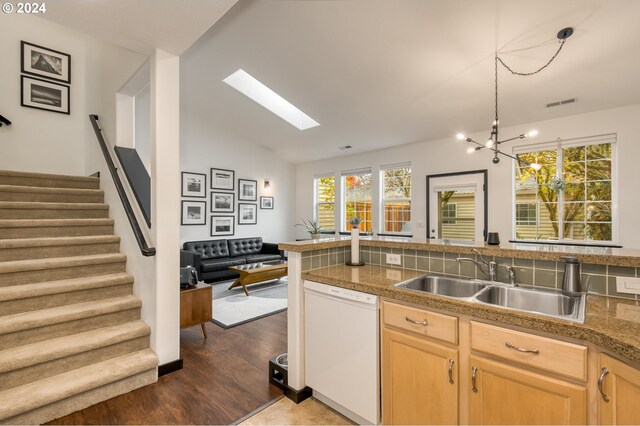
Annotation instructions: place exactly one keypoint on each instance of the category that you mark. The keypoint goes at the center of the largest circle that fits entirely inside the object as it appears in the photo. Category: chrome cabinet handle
(412, 321)
(603, 374)
(451, 371)
(519, 349)
(474, 370)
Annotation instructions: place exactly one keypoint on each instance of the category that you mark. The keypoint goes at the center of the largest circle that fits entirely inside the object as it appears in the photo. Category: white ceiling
(380, 73)
(140, 25)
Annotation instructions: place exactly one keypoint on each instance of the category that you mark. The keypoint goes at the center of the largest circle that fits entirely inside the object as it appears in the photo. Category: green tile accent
(409, 262)
(422, 253)
(594, 283)
(408, 252)
(306, 263)
(451, 256)
(422, 264)
(505, 260)
(365, 256)
(451, 267)
(375, 249)
(523, 263)
(324, 260)
(375, 258)
(385, 249)
(545, 278)
(524, 275)
(621, 271)
(341, 258)
(545, 264)
(397, 251)
(592, 269)
(613, 291)
(306, 254)
(467, 270)
(315, 262)
(436, 264)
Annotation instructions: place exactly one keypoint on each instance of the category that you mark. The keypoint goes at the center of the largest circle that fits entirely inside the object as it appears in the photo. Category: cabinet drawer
(425, 323)
(547, 354)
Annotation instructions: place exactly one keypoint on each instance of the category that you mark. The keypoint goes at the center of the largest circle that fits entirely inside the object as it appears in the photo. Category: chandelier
(493, 143)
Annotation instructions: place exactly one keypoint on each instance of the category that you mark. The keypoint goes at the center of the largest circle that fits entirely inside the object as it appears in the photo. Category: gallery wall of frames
(226, 201)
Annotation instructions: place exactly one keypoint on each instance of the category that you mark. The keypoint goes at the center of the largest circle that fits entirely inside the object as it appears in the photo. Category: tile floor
(308, 412)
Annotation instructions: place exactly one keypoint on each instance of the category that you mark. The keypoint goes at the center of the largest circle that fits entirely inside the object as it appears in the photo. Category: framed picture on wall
(194, 185)
(247, 190)
(222, 225)
(247, 214)
(266, 203)
(46, 63)
(193, 212)
(46, 95)
(222, 202)
(223, 179)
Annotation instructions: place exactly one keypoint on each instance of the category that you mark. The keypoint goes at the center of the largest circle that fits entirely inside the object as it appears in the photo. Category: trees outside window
(396, 199)
(356, 193)
(325, 188)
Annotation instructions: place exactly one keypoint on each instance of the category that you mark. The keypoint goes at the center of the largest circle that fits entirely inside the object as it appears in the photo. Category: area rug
(232, 307)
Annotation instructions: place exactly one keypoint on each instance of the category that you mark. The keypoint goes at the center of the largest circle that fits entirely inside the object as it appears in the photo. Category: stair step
(60, 268)
(39, 360)
(8, 177)
(49, 294)
(35, 228)
(50, 195)
(39, 248)
(21, 210)
(21, 400)
(29, 327)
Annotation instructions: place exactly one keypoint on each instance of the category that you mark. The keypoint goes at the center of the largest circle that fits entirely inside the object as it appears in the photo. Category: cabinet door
(621, 386)
(502, 394)
(417, 386)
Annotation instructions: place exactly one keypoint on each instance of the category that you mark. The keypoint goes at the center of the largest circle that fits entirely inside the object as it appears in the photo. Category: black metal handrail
(4, 120)
(135, 226)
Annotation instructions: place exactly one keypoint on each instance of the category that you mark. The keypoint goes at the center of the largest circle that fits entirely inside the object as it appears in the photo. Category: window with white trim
(396, 198)
(325, 197)
(449, 214)
(526, 214)
(356, 199)
(573, 191)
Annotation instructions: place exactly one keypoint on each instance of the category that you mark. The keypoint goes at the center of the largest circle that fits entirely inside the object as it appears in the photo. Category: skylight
(244, 83)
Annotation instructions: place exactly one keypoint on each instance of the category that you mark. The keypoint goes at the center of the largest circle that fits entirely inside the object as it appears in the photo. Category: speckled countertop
(611, 323)
(591, 255)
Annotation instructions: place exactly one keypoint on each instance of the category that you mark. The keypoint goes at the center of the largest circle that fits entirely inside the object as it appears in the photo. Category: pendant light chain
(533, 72)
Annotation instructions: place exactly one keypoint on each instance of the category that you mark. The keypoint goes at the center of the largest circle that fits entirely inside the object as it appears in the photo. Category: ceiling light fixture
(249, 86)
(493, 143)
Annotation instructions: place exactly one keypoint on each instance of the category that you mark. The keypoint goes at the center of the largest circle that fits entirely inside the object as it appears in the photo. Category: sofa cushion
(245, 246)
(211, 265)
(211, 249)
(254, 258)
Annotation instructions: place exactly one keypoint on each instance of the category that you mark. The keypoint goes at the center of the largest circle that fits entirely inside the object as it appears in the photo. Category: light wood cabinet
(619, 392)
(502, 394)
(419, 380)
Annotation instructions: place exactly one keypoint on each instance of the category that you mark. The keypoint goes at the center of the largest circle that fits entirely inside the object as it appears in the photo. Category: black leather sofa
(212, 258)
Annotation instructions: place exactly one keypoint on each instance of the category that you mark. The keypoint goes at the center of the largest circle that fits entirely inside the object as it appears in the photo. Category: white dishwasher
(342, 350)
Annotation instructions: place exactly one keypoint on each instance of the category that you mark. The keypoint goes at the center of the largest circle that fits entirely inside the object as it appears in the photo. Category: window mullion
(560, 173)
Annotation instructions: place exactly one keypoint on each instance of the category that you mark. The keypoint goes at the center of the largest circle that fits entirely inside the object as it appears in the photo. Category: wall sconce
(267, 185)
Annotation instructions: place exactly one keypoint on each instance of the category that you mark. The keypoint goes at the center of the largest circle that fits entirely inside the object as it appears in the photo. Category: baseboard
(170, 367)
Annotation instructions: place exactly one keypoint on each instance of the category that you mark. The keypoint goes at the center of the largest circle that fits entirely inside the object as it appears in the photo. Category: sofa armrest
(270, 248)
(190, 258)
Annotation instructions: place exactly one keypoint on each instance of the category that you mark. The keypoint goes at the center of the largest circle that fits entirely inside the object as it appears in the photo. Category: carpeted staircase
(70, 328)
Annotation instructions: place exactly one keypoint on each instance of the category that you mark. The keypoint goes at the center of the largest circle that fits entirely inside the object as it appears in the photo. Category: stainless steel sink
(545, 302)
(444, 286)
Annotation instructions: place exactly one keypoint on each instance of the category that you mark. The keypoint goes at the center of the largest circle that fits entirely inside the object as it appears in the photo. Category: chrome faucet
(491, 266)
(512, 275)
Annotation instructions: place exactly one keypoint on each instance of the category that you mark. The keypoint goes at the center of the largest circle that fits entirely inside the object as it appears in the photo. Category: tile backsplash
(597, 279)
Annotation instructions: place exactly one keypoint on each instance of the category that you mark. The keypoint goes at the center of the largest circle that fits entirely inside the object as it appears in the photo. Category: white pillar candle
(355, 245)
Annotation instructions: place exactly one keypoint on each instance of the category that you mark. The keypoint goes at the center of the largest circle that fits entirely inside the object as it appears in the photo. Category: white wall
(142, 126)
(202, 146)
(43, 141)
(449, 155)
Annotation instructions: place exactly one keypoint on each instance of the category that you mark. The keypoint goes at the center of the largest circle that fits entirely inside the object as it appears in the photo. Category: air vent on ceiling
(344, 147)
(564, 102)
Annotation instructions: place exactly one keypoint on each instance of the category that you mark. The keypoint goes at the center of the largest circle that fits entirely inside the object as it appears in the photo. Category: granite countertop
(586, 254)
(611, 323)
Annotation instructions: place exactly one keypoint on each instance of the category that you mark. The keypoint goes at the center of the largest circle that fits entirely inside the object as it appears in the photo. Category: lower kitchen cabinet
(419, 380)
(619, 398)
(502, 394)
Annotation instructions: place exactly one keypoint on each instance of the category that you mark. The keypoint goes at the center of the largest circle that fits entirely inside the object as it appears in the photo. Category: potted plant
(355, 222)
(313, 228)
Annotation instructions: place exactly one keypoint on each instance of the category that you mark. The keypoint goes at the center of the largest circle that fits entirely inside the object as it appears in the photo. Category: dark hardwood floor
(224, 378)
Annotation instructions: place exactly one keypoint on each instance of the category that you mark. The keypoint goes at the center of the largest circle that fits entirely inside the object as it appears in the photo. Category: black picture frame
(266, 203)
(50, 64)
(214, 203)
(202, 186)
(48, 96)
(185, 218)
(243, 194)
(247, 221)
(216, 181)
(214, 224)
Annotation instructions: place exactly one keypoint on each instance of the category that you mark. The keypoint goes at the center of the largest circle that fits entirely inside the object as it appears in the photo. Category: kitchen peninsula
(611, 329)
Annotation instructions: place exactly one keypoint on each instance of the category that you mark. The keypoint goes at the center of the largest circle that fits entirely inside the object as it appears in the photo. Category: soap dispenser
(571, 280)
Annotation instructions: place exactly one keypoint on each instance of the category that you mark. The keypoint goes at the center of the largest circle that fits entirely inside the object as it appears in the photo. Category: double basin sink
(550, 303)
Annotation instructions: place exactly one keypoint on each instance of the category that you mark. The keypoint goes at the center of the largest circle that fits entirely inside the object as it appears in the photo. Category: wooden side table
(195, 306)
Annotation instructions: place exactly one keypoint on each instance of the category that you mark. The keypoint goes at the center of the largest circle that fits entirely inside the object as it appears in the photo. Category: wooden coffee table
(256, 272)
